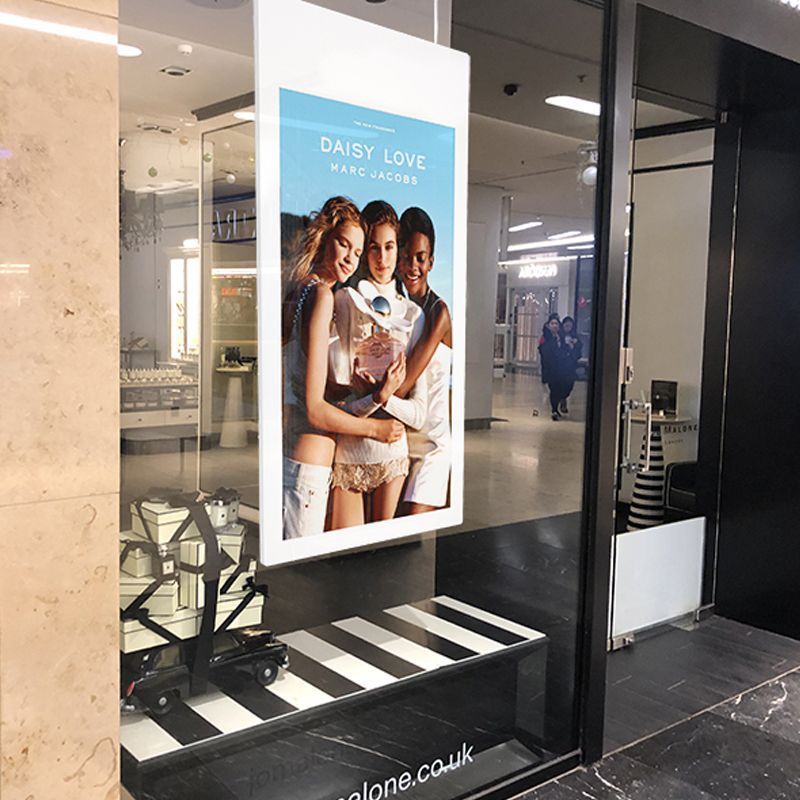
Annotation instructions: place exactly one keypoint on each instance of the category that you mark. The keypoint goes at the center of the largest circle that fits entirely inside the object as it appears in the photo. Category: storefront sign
(361, 191)
(538, 271)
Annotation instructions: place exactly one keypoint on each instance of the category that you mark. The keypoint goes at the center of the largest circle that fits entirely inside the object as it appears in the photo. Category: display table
(647, 503)
(234, 426)
(402, 673)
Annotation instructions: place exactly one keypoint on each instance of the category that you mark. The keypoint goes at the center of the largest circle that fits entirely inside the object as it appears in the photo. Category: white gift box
(193, 557)
(239, 583)
(163, 550)
(134, 636)
(250, 616)
(185, 623)
(162, 603)
(231, 540)
(163, 521)
(138, 562)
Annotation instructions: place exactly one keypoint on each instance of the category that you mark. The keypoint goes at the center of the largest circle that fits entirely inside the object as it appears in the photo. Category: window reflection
(189, 364)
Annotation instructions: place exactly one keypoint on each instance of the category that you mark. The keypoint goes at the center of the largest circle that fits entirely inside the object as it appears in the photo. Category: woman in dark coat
(574, 347)
(558, 371)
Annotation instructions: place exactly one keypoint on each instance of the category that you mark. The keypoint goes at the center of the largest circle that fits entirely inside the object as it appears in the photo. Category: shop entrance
(705, 503)
(660, 530)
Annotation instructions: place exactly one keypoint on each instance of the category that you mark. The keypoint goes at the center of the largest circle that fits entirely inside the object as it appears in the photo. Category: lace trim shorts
(305, 498)
(367, 477)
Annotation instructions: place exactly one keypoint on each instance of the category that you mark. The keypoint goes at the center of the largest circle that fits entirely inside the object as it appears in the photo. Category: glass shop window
(447, 659)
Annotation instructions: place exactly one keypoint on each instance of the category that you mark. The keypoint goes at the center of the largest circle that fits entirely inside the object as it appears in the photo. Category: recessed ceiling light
(581, 247)
(566, 235)
(585, 239)
(128, 50)
(245, 115)
(175, 71)
(574, 104)
(524, 226)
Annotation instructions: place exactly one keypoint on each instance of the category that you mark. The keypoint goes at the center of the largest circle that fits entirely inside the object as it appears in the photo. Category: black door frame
(770, 26)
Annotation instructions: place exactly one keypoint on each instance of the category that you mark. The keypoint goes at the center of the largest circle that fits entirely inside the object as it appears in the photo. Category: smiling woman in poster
(376, 324)
(332, 245)
(430, 447)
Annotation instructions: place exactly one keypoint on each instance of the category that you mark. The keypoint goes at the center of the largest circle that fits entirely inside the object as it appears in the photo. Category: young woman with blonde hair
(332, 245)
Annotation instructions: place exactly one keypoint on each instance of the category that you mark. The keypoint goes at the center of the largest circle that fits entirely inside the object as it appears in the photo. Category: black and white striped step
(328, 663)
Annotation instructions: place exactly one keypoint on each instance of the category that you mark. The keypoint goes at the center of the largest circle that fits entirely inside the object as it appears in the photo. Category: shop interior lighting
(574, 104)
(566, 235)
(524, 226)
(57, 29)
(581, 247)
(585, 239)
(128, 50)
(249, 116)
(520, 262)
(232, 271)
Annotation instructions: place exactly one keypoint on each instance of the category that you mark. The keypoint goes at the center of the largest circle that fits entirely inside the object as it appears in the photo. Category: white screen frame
(309, 49)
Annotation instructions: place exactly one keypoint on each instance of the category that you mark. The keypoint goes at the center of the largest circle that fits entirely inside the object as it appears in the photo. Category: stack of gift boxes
(178, 601)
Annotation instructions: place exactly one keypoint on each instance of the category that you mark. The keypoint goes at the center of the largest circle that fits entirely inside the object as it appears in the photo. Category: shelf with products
(160, 396)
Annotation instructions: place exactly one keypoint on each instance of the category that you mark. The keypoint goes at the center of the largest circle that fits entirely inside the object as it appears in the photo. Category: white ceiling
(518, 143)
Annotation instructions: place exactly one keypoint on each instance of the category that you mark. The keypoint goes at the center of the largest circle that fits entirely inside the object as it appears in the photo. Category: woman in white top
(430, 446)
(371, 319)
(331, 249)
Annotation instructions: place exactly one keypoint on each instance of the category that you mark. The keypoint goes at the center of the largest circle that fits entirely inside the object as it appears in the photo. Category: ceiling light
(513, 248)
(581, 247)
(175, 72)
(128, 51)
(57, 29)
(566, 235)
(191, 244)
(245, 115)
(574, 104)
(524, 226)
(545, 258)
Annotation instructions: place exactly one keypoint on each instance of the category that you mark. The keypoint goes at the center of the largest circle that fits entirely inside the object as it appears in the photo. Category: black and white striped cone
(647, 505)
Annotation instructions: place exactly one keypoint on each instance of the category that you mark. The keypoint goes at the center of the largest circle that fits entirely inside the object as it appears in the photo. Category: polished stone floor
(746, 748)
(684, 670)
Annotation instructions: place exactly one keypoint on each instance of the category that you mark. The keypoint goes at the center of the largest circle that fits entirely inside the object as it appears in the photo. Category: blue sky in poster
(330, 148)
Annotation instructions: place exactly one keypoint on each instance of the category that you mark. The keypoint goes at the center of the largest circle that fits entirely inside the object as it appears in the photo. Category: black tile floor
(745, 748)
(667, 678)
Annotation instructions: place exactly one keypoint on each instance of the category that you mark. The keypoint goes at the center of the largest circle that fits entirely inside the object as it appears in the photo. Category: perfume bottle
(376, 352)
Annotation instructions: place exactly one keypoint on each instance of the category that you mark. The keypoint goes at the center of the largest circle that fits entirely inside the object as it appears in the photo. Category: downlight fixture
(128, 50)
(247, 116)
(175, 72)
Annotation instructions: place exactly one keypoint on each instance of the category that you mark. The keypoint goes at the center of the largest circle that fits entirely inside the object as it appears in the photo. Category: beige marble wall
(59, 441)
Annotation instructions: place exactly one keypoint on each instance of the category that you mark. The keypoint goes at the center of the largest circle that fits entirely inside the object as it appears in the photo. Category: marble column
(59, 429)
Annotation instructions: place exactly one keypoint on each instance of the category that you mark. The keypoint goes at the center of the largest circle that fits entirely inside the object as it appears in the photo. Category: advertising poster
(362, 394)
